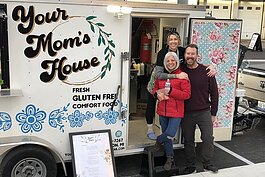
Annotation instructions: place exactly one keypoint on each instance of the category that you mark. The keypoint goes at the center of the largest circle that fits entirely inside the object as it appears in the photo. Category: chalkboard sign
(92, 154)
(255, 42)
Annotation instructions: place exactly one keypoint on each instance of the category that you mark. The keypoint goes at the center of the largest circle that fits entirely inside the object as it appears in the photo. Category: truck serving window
(4, 59)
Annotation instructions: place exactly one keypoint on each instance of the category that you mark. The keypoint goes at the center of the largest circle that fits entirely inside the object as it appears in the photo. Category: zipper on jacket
(165, 108)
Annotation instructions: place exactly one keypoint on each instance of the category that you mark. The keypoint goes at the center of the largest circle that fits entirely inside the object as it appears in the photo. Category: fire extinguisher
(146, 46)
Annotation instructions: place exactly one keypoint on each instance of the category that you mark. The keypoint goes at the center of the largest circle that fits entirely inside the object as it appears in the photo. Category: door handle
(116, 96)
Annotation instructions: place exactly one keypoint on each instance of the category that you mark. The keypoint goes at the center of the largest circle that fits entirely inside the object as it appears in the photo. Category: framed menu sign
(92, 154)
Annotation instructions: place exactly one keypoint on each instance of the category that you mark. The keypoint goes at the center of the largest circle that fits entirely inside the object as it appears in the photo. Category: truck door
(149, 32)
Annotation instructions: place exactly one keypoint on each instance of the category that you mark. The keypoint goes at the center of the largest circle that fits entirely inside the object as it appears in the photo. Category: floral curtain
(218, 42)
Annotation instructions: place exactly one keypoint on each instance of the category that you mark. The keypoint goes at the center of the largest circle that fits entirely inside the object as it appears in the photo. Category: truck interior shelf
(11, 93)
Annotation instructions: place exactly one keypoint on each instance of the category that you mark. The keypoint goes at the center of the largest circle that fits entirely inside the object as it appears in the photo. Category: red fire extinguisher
(146, 46)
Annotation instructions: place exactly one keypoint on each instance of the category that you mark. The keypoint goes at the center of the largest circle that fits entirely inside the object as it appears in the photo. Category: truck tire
(28, 161)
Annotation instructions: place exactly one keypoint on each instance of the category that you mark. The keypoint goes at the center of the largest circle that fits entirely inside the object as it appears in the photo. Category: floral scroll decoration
(31, 119)
(5, 121)
(103, 38)
(57, 117)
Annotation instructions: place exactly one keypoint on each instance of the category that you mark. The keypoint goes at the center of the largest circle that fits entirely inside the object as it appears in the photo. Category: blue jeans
(169, 129)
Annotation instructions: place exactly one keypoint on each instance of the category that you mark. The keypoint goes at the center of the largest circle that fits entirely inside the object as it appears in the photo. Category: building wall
(220, 9)
(250, 12)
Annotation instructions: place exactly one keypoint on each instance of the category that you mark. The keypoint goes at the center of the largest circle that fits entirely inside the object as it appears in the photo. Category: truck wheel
(28, 161)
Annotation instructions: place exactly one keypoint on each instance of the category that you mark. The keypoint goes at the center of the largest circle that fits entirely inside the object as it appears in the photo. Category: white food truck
(66, 66)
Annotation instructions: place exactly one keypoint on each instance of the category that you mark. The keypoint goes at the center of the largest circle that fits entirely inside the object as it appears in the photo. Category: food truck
(77, 66)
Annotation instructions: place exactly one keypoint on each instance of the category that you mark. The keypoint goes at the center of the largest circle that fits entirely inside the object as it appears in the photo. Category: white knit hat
(174, 55)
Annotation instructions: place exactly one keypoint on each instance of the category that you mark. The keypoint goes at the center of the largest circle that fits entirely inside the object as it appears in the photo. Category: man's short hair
(192, 46)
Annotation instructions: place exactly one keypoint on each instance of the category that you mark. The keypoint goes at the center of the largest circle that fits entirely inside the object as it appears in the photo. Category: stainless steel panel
(256, 64)
(253, 84)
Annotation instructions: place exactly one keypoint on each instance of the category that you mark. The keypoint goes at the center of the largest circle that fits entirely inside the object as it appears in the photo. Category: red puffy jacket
(180, 91)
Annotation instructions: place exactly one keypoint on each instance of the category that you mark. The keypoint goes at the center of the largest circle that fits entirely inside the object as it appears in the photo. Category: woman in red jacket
(171, 94)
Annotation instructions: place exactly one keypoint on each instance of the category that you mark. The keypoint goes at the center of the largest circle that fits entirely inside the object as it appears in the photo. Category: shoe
(169, 163)
(151, 135)
(189, 170)
(210, 167)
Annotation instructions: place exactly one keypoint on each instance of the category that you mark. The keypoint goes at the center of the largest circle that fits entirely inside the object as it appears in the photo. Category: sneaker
(169, 163)
(189, 170)
(151, 135)
(210, 167)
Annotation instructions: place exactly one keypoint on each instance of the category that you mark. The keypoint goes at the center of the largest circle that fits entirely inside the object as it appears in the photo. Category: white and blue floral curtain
(218, 41)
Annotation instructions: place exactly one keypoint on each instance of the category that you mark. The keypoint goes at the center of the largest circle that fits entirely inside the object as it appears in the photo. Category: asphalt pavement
(246, 147)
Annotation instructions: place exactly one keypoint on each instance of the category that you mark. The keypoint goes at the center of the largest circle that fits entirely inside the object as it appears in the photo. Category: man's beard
(190, 61)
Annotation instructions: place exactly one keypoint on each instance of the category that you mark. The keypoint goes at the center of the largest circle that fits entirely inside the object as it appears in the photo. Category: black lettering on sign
(46, 43)
(63, 69)
(19, 14)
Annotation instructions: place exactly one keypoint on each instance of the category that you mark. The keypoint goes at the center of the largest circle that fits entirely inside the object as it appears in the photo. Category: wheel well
(29, 145)
(41, 160)
(55, 155)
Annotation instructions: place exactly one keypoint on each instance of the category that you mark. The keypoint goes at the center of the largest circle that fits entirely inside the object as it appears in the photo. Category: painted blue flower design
(98, 115)
(57, 117)
(31, 119)
(5, 121)
(123, 122)
(89, 115)
(124, 108)
(76, 119)
(110, 116)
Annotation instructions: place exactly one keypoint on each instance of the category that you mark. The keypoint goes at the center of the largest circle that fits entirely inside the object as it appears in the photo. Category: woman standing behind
(171, 94)
(173, 42)
(173, 45)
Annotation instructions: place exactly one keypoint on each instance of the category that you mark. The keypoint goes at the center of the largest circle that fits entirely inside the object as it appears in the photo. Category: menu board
(253, 41)
(92, 154)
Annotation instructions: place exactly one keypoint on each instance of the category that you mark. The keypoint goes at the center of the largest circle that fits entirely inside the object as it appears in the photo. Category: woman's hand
(182, 75)
(211, 71)
(162, 94)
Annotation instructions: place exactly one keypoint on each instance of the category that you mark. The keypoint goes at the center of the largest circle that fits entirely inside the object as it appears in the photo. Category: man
(200, 110)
